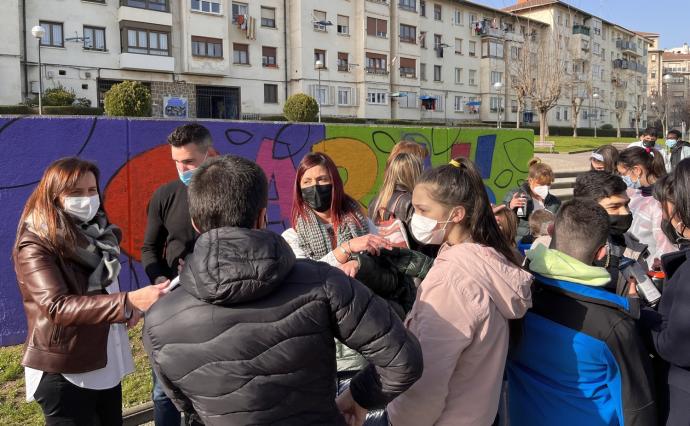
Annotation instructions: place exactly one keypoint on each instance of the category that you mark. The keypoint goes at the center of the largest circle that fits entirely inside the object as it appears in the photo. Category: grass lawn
(570, 144)
(136, 388)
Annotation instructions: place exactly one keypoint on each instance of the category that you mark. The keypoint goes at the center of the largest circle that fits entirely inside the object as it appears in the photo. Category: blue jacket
(581, 361)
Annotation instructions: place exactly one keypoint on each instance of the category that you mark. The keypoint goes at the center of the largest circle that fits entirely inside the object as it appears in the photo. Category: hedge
(71, 110)
(17, 109)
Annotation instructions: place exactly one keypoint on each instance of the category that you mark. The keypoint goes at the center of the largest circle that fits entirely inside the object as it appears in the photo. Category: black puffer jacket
(248, 339)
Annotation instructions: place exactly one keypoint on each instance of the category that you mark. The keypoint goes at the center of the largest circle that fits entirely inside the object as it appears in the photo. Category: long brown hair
(43, 208)
(647, 158)
(460, 184)
(408, 147)
(402, 171)
(341, 203)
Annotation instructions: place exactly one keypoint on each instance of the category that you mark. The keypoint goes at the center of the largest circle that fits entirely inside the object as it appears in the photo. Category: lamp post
(38, 32)
(498, 85)
(596, 115)
(667, 79)
(319, 66)
(576, 117)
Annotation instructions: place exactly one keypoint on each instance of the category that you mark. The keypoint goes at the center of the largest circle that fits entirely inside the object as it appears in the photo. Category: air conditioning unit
(87, 74)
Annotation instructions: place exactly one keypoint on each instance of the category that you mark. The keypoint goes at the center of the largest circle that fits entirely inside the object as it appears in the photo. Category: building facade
(376, 59)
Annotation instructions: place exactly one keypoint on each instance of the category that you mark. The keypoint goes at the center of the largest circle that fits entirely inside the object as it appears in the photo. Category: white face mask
(424, 229)
(542, 191)
(82, 208)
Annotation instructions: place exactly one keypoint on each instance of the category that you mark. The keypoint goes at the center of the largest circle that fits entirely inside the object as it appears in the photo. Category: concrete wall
(134, 160)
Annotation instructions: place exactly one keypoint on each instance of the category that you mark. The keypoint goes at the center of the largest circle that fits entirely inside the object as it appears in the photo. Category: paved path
(562, 163)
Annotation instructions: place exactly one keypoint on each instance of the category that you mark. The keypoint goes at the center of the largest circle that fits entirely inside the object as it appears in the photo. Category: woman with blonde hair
(395, 197)
(408, 147)
(532, 195)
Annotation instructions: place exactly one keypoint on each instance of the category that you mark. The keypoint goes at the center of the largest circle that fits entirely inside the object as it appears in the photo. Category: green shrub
(301, 108)
(71, 110)
(82, 102)
(16, 109)
(607, 126)
(128, 99)
(58, 96)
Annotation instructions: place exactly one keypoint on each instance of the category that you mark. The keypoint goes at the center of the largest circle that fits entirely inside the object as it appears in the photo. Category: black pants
(65, 404)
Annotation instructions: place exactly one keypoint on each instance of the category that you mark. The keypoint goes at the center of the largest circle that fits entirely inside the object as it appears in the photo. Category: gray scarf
(101, 253)
(315, 238)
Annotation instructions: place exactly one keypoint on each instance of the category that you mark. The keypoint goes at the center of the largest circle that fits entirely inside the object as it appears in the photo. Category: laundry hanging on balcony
(247, 24)
(428, 102)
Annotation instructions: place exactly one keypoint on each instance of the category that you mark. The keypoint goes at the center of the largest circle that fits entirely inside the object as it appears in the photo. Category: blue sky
(670, 18)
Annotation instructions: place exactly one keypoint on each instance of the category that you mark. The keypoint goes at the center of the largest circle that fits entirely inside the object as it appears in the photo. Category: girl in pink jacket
(464, 304)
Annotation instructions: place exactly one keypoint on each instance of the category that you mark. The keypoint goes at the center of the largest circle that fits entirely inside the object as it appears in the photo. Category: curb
(137, 415)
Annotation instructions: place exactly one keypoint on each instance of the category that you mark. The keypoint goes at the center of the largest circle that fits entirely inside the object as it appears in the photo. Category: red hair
(341, 203)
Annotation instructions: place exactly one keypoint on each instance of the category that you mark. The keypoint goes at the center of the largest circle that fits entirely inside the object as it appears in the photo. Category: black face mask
(648, 144)
(620, 223)
(318, 197)
(672, 234)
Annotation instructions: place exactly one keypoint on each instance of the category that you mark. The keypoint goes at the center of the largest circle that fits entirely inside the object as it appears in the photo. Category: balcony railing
(376, 71)
(581, 29)
(626, 45)
(487, 31)
(159, 5)
(621, 104)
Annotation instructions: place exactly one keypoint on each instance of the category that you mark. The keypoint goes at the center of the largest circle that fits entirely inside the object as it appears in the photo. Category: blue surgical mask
(630, 183)
(186, 176)
(670, 143)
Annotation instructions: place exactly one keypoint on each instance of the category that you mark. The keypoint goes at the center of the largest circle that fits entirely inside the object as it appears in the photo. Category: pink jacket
(461, 320)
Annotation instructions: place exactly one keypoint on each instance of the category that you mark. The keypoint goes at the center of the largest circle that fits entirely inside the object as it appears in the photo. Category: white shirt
(119, 364)
(290, 235)
(641, 145)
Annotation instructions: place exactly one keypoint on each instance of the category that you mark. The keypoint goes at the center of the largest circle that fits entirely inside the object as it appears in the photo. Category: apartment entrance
(218, 102)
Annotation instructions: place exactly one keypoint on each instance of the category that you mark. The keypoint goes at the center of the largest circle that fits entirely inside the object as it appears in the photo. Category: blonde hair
(540, 172)
(403, 171)
(408, 147)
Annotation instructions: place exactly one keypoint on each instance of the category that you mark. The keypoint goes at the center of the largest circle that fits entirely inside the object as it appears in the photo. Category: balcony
(136, 14)
(581, 29)
(627, 47)
(376, 71)
(487, 31)
(136, 61)
(621, 104)
(514, 37)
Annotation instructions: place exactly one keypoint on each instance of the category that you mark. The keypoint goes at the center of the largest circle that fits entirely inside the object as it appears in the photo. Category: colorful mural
(134, 160)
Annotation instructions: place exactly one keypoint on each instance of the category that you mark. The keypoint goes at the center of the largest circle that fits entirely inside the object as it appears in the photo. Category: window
(147, 42)
(320, 55)
(459, 104)
(410, 5)
(653, 75)
(438, 12)
(513, 106)
(268, 57)
(496, 77)
(458, 46)
(343, 61)
(654, 58)
(319, 17)
(558, 114)
(473, 18)
(422, 39)
(268, 17)
(343, 25)
(437, 72)
(377, 97)
(565, 113)
(457, 17)
(408, 34)
(94, 38)
(438, 41)
(270, 93)
(160, 5)
(560, 18)
(472, 77)
(422, 8)
(344, 96)
(407, 100)
(492, 49)
(208, 6)
(239, 9)
(376, 63)
(53, 34)
(207, 47)
(472, 51)
(458, 75)
(422, 71)
(240, 53)
(377, 27)
(408, 68)
(495, 103)
(320, 93)
(515, 52)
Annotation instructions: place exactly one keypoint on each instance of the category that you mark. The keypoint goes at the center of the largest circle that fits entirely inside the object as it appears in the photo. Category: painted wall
(134, 160)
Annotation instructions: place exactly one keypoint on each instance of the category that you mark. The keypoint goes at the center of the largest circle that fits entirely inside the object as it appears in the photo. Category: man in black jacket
(249, 336)
(169, 233)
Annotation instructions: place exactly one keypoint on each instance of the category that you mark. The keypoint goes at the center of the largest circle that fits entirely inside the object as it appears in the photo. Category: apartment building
(607, 61)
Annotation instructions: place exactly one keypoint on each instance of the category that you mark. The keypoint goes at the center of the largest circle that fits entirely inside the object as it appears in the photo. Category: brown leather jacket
(67, 328)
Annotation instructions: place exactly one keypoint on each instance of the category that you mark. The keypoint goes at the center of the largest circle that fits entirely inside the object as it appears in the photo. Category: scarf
(314, 236)
(101, 252)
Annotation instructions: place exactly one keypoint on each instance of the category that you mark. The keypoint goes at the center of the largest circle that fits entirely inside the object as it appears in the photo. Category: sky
(670, 18)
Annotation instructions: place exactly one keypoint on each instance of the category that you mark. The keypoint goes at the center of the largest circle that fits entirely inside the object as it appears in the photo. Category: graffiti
(174, 107)
(134, 160)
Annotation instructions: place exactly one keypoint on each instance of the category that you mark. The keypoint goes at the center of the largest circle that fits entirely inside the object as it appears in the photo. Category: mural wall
(134, 160)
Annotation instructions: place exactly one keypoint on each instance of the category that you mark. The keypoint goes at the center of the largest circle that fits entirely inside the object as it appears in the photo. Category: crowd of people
(431, 307)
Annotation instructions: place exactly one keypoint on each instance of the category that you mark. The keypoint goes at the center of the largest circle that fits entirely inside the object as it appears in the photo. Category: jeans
(164, 411)
(65, 404)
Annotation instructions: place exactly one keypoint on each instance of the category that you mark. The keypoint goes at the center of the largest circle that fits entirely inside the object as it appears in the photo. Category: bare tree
(658, 104)
(580, 88)
(521, 76)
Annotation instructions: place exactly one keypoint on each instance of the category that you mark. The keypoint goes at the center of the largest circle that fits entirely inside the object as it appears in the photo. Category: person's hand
(517, 201)
(143, 298)
(134, 320)
(350, 268)
(632, 287)
(180, 266)
(656, 265)
(354, 414)
(371, 243)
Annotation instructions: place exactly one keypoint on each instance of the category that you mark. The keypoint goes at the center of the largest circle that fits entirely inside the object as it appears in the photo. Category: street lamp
(38, 32)
(498, 85)
(666, 79)
(319, 67)
(596, 116)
